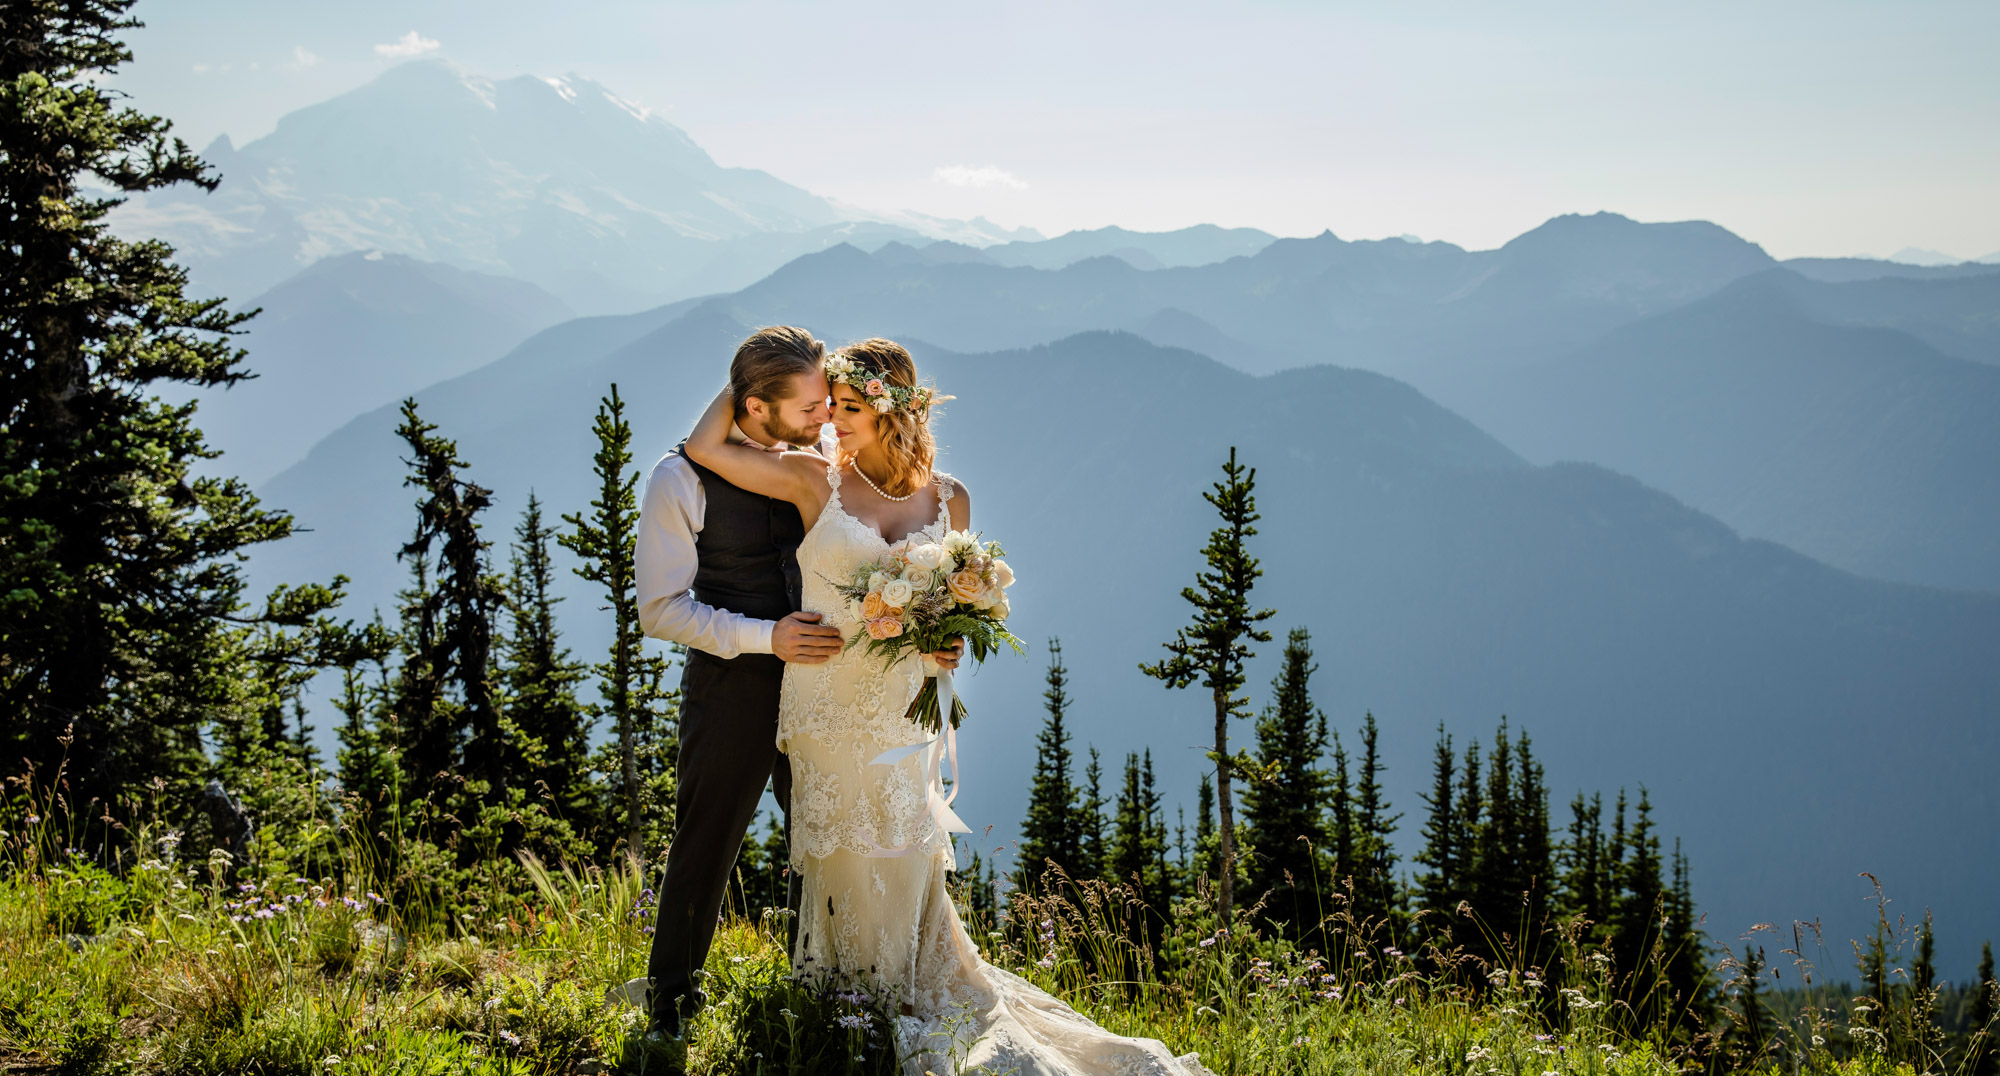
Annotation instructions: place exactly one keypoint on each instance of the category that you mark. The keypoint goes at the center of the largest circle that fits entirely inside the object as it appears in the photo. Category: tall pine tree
(630, 681)
(1445, 850)
(1285, 808)
(1053, 831)
(1214, 648)
(541, 680)
(1375, 896)
(123, 625)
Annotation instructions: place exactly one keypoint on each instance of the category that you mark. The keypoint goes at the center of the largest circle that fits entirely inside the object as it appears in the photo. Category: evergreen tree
(1206, 843)
(1214, 648)
(1754, 1024)
(1442, 886)
(1092, 862)
(1984, 997)
(1053, 831)
(1375, 895)
(541, 680)
(1584, 891)
(1340, 816)
(1638, 943)
(1285, 807)
(630, 682)
(463, 737)
(123, 625)
(1923, 974)
(1138, 849)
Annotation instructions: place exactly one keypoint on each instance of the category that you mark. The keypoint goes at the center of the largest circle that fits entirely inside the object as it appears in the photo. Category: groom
(717, 572)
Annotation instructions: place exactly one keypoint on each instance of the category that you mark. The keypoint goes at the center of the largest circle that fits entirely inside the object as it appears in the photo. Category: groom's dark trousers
(746, 563)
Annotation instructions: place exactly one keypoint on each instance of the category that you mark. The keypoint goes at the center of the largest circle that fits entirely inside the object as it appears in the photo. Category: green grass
(153, 970)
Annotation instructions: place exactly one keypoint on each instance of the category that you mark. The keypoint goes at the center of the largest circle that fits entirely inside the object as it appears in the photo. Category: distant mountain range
(556, 181)
(352, 333)
(1406, 403)
(1445, 580)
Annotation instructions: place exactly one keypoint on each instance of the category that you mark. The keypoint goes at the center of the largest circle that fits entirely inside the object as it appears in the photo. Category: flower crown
(876, 389)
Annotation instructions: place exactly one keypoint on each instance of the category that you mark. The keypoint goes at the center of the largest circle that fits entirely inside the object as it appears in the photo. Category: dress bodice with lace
(874, 910)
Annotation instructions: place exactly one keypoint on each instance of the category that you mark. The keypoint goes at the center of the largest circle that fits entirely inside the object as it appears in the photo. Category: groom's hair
(768, 359)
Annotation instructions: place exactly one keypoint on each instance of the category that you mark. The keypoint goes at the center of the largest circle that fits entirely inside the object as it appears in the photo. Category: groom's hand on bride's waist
(802, 640)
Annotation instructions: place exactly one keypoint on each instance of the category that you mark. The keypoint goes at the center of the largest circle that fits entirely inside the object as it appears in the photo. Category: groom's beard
(803, 436)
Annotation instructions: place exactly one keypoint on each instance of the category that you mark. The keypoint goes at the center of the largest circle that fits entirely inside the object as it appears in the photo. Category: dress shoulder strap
(833, 481)
(944, 491)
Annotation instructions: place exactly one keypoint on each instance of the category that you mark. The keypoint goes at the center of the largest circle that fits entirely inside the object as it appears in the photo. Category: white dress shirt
(670, 516)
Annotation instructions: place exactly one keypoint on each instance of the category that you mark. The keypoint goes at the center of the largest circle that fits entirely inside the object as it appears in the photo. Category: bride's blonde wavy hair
(905, 435)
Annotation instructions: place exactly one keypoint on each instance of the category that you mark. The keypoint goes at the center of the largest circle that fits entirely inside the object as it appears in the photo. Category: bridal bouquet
(919, 595)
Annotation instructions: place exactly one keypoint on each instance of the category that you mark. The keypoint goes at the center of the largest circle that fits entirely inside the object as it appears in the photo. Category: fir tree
(1638, 912)
(1053, 832)
(1442, 886)
(1285, 807)
(1205, 840)
(1214, 648)
(1754, 1024)
(541, 681)
(1340, 816)
(1923, 974)
(123, 623)
(1375, 895)
(630, 681)
(1583, 861)
(1090, 821)
(465, 737)
(1138, 849)
(1984, 998)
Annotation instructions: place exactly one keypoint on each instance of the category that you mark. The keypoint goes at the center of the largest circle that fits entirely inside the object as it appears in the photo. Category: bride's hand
(799, 480)
(950, 656)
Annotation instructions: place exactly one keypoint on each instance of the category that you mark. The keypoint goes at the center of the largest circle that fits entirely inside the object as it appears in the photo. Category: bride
(866, 844)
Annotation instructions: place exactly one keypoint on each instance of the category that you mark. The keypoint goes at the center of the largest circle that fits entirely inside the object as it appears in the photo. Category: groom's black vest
(746, 555)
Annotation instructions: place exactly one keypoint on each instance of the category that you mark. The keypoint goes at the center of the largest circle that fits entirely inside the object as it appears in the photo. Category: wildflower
(34, 818)
(1399, 1001)
(491, 1004)
(1477, 1053)
(1302, 1041)
(374, 898)
(1048, 961)
(266, 913)
(1206, 942)
(1543, 1038)
(510, 1039)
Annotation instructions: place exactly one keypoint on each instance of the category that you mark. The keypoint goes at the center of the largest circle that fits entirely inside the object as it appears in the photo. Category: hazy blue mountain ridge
(1862, 446)
(1445, 580)
(1199, 245)
(354, 332)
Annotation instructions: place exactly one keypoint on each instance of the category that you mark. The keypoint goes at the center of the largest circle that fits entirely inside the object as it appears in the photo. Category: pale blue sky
(1821, 128)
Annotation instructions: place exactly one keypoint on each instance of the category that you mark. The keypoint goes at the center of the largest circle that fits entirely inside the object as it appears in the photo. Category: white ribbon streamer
(942, 747)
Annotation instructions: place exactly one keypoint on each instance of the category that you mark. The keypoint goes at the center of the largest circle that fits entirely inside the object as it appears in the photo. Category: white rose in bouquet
(1003, 576)
(959, 543)
(898, 593)
(878, 580)
(1001, 609)
(918, 578)
(854, 609)
(928, 556)
(987, 599)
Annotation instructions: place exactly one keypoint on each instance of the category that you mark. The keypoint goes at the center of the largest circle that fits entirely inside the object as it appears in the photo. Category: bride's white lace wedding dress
(886, 923)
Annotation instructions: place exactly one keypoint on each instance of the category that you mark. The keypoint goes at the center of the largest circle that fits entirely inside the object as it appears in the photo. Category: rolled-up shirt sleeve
(670, 515)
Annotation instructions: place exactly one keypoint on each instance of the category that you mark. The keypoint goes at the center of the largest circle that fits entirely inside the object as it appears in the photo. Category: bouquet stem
(925, 709)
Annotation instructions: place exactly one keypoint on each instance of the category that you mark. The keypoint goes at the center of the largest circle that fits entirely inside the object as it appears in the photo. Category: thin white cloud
(303, 58)
(410, 44)
(959, 175)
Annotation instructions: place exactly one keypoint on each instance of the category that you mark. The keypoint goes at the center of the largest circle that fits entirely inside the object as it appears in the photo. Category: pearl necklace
(878, 489)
